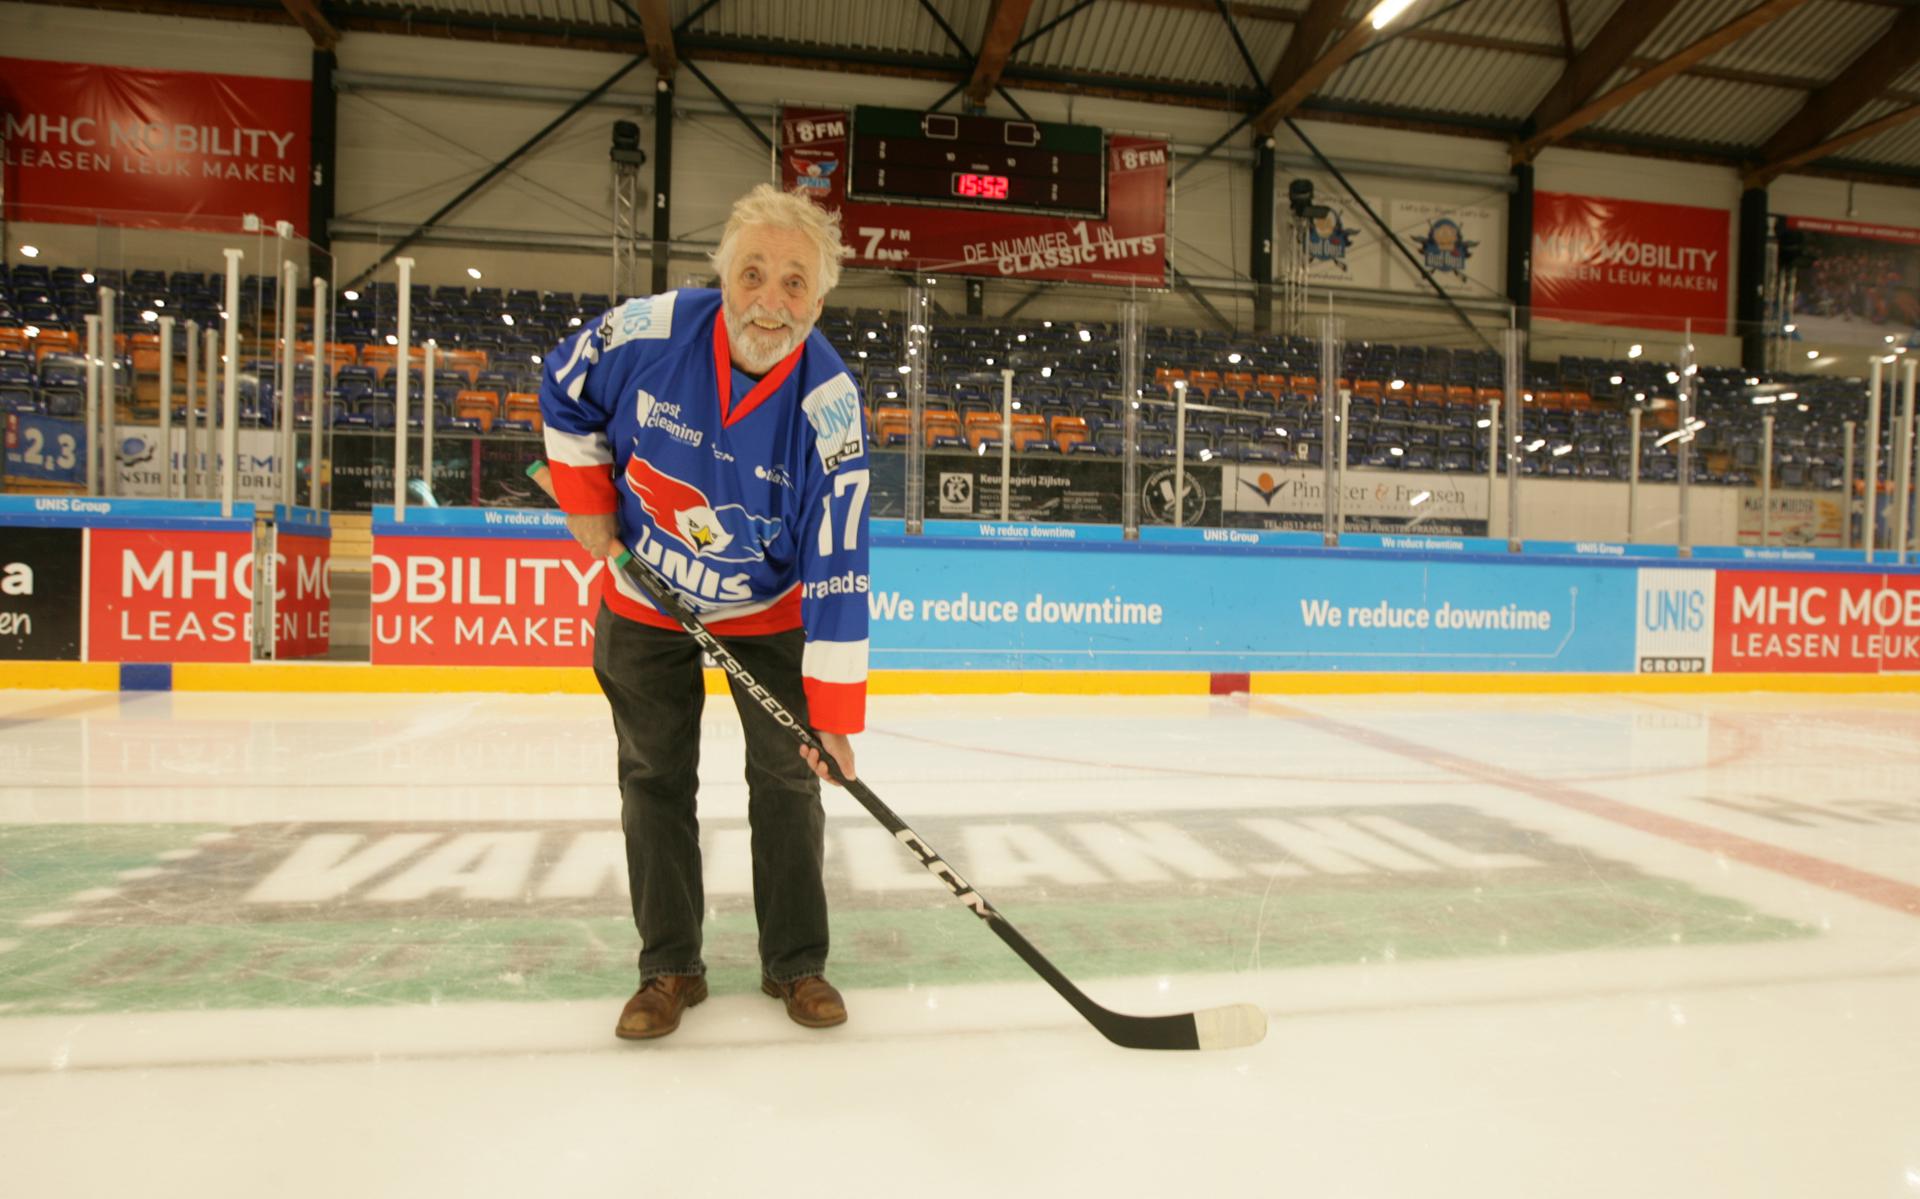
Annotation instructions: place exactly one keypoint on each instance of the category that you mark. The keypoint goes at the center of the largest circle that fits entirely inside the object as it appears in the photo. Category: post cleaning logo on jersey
(680, 510)
(659, 414)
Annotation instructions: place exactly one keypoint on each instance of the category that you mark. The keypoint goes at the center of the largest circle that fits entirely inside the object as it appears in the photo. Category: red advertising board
(1128, 248)
(467, 601)
(1603, 261)
(1769, 620)
(170, 595)
(86, 143)
(302, 597)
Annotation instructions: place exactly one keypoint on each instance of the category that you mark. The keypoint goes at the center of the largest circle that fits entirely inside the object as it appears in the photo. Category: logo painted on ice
(680, 510)
(834, 411)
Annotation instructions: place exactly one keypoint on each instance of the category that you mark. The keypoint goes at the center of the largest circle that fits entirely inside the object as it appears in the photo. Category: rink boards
(503, 599)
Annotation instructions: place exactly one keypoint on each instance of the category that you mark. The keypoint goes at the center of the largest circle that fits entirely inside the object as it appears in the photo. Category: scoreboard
(1041, 167)
(946, 194)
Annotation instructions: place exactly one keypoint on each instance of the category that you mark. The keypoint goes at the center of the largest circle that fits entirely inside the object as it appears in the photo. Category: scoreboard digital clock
(901, 155)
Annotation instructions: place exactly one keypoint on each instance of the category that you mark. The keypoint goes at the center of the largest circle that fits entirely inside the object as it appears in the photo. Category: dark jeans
(652, 680)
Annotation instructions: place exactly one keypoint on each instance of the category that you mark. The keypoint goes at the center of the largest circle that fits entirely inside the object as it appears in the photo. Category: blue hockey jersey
(749, 496)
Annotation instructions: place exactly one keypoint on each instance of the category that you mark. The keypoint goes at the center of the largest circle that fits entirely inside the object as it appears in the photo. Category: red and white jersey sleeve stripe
(834, 674)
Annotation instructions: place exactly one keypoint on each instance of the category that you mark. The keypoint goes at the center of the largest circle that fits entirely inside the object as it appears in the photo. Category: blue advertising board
(46, 449)
(1115, 606)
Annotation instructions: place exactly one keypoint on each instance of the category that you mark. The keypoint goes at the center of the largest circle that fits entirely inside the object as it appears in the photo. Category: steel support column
(323, 117)
(1261, 267)
(1750, 285)
(662, 180)
(1520, 245)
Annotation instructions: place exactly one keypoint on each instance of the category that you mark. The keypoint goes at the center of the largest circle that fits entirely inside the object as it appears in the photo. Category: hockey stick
(1230, 1027)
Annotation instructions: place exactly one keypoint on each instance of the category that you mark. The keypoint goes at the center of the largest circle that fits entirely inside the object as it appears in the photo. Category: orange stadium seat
(889, 422)
(1069, 431)
(483, 406)
(339, 353)
(525, 405)
(464, 362)
(982, 427)
(55, 341)
(1028, 427)
(941, 427)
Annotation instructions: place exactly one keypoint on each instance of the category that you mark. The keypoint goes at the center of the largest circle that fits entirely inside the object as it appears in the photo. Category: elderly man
(721, 439)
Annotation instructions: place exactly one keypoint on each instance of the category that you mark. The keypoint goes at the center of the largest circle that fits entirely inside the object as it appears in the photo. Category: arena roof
(1766, 86)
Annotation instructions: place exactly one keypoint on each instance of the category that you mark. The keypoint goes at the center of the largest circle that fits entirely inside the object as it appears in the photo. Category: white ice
(1611, 1049)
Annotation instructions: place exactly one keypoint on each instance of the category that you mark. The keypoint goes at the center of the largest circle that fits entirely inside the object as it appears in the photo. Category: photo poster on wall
(1855, 284)
(1462, 245)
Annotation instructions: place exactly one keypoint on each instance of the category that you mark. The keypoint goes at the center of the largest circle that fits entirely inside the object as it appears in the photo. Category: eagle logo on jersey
(728, 533)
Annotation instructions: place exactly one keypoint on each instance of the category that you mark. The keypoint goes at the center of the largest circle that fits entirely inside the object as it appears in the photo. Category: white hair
(769, 206)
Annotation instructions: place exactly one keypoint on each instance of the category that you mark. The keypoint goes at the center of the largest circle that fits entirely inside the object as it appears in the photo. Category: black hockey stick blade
(1233, 1026)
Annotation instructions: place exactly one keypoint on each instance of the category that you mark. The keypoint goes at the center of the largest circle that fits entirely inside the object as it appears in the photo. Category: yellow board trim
(1384, 683)
(59, 676)
(575, 680)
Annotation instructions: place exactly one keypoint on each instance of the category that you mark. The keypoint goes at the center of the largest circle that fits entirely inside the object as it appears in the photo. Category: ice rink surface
(331, 945)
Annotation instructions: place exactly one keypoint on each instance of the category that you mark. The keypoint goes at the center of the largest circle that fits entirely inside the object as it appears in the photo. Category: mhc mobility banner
(1694, 621)
(1129, 247)
(170, 594)
(87, 143)
(481, 587)
(1604, 261)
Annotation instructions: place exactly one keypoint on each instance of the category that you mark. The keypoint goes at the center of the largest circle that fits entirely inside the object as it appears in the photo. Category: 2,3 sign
(46, 448)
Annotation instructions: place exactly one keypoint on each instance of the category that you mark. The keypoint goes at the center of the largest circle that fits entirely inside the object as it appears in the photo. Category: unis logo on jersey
(680, 510)
(646, 318)
(833, 409)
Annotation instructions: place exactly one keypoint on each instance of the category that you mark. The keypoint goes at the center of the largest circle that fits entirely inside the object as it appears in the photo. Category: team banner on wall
(1856, 284)
(1599, 260)
(1129, 247)
(1339, 245)
(1462, 246)
(86, 143)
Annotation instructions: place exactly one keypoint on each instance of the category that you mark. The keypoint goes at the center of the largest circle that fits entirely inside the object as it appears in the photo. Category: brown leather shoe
(654, 1010)
(811, 1001)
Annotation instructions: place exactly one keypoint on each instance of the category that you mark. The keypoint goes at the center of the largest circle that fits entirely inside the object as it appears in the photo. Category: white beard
(757, 350)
